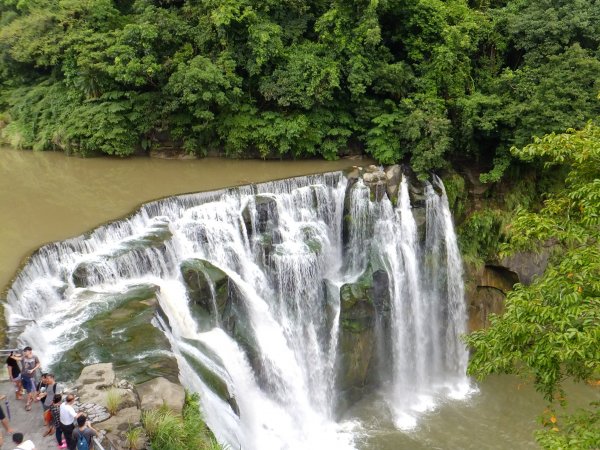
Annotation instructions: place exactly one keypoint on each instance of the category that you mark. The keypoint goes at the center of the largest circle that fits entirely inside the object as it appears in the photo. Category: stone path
(30, 423)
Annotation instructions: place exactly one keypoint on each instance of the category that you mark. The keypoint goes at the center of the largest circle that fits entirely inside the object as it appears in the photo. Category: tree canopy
(551, 328)
(423, 81)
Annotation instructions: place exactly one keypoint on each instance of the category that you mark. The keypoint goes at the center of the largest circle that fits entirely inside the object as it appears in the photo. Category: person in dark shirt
(14, 373)
(55, 411)
(84, 430)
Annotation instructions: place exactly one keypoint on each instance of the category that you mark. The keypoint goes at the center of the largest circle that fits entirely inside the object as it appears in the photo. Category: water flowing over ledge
(282, 302)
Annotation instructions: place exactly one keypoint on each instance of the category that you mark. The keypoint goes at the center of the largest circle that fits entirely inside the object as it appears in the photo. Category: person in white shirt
(21, 444)
(67, 420)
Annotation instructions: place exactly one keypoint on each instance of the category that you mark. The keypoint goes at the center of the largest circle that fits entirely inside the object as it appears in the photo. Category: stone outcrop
(363, 304)
(91, 391)
(485, 292)
(528, 265)
(121, 332)
(376, 180)
(160, 391)
(208, 289)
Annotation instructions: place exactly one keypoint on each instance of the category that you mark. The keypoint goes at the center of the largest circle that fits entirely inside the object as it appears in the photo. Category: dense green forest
(424, 81)
(430, 82)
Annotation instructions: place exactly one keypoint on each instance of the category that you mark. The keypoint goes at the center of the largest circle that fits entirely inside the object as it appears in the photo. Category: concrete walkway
(30, 423)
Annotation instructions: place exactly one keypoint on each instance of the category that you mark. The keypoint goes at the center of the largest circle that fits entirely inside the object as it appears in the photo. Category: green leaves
(425, 81)
(551, 329)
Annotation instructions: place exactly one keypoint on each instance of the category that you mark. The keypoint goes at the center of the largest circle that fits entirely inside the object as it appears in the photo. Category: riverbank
(47, 196)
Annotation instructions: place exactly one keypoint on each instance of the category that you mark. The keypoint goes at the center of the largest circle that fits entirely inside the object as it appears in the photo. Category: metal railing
(98, 445)
(7, 351)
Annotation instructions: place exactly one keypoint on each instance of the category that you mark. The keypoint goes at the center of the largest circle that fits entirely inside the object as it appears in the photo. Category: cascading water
(273, 257)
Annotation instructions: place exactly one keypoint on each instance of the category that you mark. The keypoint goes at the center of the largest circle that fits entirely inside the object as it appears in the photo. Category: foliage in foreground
(169, 431)
(551, 329)
(419, 80)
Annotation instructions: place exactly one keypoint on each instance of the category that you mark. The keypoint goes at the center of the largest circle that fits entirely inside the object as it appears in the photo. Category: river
(46, 197)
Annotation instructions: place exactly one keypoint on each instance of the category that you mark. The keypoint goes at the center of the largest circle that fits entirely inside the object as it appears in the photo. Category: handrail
(97, 444)
(6, 351)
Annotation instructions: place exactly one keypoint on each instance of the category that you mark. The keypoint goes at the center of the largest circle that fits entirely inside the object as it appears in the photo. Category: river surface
(46, 197)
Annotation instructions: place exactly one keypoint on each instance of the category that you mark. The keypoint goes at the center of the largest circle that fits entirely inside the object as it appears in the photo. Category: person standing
(4, 421)
(83, 434)
(47, 398)
(14, 374)
(67, 420)
(29, 364)
(55, 412)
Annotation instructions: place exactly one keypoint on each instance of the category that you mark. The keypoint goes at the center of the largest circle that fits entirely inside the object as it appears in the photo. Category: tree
(551, 328)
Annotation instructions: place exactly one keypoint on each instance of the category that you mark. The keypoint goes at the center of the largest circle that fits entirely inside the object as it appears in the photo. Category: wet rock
(160, 391)
(96, 377)
(357, 333)
(119, 334)
(261, 214)
(211, 378)
(207, 286)
(393, 175)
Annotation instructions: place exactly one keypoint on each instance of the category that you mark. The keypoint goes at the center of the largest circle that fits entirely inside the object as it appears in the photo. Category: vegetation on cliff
(169, 431)
(551, 328)
(423, 80)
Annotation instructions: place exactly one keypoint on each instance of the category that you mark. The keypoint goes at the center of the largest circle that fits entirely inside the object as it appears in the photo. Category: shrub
(168, 431)
(113, 401)
(133, 438)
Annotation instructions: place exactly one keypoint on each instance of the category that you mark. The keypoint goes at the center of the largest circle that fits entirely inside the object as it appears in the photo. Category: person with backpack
(84, 433)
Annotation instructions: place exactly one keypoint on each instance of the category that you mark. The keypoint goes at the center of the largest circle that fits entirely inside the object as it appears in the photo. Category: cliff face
(481, 214)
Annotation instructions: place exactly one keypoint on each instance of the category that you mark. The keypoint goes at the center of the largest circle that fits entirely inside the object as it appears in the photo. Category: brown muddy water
(46, 197)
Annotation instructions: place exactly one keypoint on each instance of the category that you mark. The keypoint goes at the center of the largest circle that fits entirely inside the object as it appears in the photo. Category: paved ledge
(30, 423)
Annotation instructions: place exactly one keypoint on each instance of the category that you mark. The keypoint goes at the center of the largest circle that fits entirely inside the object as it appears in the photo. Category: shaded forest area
(421, 81)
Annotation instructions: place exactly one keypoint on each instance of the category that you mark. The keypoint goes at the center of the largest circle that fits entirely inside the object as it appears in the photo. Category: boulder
(160, 391)
(207, 286)
(360, 302)
(117, 335)
(528, 265)
(96, 377)
(393, 175)
(117, 426)
(261, 214)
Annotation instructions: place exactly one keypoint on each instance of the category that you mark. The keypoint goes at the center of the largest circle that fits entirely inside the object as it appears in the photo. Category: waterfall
(273, 258)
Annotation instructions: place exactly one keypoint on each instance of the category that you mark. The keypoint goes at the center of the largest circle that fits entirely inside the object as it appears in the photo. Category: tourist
(22, 445)
(14, 373)
(84, 433)
(55, 412)
(4, 421)
(67, 420)
(29, 364)
(46, 396)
